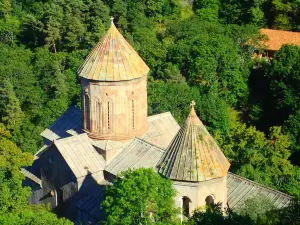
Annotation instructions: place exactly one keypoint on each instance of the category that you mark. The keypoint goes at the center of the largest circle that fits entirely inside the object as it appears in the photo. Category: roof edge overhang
(113, 81)
(198, 182)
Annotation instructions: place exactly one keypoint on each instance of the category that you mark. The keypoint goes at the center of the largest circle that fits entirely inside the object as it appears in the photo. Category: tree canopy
(14, 209)
(139, 196)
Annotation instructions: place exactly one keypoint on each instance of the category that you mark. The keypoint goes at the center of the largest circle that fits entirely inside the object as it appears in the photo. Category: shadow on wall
(89, 198)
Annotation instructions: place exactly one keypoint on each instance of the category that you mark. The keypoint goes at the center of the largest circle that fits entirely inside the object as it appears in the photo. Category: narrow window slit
(108, 116)
(133, 114)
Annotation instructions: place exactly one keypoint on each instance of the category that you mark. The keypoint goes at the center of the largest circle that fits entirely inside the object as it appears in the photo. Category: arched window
(97, 115)
(210, 200)
(186, 206)
(87, 112)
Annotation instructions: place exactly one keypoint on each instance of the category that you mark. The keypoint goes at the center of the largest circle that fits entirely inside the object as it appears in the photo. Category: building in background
(277, 38)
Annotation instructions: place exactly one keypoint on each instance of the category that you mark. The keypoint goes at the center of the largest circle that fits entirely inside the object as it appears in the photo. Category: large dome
(113, 59)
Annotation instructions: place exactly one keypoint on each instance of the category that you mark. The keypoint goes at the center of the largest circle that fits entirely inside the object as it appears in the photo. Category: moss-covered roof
(193, 155)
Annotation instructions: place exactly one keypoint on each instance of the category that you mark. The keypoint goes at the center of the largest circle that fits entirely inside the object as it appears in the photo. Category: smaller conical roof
(193, 154)
(113, 59)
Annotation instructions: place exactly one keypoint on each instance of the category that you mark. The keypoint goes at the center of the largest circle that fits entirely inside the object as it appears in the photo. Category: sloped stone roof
(31, 176)
(193, 154)
(240, 189)
(162, 128)
(113, 59)
(80, 155)
(138, 154)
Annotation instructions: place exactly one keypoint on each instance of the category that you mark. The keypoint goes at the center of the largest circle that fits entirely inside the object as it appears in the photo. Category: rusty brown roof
(193, 155)
(277, 38)
(113, 59)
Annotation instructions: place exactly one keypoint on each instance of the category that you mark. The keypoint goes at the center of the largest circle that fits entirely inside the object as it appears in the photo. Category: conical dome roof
(113, 59)
(193, 154)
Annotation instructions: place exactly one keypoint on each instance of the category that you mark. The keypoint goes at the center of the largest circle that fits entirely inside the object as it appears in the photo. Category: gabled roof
(193, 154)
(240, 189)
(277, 38)
(162, 128)
(138, 154)
(80, 155)
(113, 59)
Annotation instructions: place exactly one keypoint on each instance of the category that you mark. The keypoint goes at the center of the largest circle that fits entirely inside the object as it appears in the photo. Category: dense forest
(197, 50)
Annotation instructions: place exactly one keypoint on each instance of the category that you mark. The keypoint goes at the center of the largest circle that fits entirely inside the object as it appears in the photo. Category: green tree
(13, 196)
(170, 73)
(32, 216)
(284, 14)
(119, 12)
(215, 215)
(284, 80)
(10, 109)
(243, 12)
(291, 128)
(14, 209)
(209, 56)
(154, 8)
(256, 207)
(265, 160)
(139, 196)
(207, 10)
(256, 211)
(164, 97)
(52, 32)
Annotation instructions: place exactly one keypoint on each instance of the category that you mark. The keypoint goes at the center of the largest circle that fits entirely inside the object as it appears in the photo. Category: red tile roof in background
(280, 37)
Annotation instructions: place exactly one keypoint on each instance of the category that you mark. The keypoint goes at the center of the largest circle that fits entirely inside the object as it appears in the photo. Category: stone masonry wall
(115, 110)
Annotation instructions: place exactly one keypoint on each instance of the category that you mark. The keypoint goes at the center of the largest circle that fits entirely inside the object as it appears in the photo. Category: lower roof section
(240, 189)
(161, 127)
(138, 154)
(80, 155)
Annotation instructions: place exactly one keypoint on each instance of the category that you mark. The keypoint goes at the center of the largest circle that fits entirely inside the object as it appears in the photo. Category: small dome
(193, 154)
(113, 59)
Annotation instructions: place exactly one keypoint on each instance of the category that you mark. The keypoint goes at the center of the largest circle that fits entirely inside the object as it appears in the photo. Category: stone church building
(85, 150)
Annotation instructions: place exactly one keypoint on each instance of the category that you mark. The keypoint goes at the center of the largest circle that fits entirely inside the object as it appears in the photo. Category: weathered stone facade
(115, 110)
(197, 193)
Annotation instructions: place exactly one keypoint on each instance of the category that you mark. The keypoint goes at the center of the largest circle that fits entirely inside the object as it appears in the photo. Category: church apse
(196, 164)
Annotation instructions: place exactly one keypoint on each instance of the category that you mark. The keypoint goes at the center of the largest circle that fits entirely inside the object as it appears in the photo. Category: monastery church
(84, 150)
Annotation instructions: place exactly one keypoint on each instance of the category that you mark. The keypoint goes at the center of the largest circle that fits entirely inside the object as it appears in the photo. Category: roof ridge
(154, 145)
